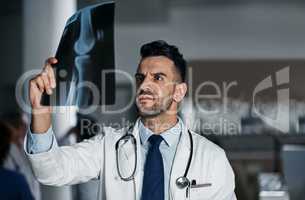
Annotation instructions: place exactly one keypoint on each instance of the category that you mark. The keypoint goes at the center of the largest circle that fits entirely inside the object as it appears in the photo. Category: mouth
(145, 97)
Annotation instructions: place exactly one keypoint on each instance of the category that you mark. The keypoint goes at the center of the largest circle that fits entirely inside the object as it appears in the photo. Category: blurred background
(246, 61)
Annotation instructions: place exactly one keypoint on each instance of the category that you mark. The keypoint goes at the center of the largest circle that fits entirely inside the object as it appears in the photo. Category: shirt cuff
(38, 143)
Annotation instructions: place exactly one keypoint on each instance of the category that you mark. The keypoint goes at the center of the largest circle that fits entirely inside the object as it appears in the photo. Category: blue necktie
(153, 180)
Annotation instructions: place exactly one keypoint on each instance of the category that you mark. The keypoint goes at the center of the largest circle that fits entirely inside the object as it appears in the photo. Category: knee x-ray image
(85, 51)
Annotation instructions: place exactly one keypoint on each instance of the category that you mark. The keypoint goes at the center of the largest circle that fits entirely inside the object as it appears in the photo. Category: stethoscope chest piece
(182, 182)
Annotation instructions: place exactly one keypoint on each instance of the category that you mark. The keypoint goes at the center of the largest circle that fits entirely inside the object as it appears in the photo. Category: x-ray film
(84, 73)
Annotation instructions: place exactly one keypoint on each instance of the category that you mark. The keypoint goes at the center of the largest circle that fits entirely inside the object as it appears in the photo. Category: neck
(160, 123)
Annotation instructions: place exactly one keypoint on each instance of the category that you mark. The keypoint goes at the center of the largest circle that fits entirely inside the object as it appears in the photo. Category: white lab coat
(96, 158)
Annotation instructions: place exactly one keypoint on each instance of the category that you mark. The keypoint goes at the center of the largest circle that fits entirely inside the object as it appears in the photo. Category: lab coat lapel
(139, 172)
(180, 164)
(128, 159)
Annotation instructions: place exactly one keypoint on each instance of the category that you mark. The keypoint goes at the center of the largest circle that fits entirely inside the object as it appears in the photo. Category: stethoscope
(181, 182)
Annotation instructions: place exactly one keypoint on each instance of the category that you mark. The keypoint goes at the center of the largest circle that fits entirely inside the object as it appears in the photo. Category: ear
(180, 92)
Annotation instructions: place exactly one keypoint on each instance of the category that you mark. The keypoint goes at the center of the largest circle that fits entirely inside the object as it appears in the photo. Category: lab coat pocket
(201, 192)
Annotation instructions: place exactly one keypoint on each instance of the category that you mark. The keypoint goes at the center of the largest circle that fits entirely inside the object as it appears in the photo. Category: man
(16, 159)
(13, 185)
(164, 144)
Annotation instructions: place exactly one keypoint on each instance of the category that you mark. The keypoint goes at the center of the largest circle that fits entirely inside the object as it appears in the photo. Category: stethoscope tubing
(128, 136)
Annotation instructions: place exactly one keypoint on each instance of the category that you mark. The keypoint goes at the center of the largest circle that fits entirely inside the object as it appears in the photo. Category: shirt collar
(170, 136)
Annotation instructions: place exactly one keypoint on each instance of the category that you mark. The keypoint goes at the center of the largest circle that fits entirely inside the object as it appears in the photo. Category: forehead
(155, 64)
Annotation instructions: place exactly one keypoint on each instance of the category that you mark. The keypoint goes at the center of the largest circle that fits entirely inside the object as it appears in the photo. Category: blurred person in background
(13, 185)
(16, 159)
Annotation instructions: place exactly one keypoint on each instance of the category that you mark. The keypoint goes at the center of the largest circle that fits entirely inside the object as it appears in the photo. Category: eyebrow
(138, 74)
(157, 73)
(160, 73)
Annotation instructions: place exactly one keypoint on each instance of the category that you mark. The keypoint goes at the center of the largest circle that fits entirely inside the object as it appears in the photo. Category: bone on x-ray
(84, 73)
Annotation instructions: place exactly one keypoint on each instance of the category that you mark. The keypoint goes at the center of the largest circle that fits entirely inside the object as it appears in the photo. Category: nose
(147, 87)
(146, 83)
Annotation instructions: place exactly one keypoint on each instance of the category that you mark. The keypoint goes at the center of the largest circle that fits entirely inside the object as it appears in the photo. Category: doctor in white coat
(156, 158)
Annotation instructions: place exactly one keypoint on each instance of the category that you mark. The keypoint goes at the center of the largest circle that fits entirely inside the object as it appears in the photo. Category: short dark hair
(162, 48)
(5, 136)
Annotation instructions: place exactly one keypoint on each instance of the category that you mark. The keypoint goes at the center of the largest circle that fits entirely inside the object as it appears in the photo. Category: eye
(139, 78)
(158, 77)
